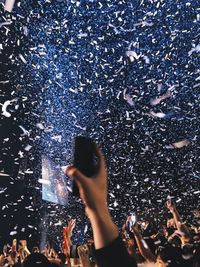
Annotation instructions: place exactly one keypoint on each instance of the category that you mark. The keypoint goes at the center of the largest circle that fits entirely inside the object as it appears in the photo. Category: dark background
(75, 78)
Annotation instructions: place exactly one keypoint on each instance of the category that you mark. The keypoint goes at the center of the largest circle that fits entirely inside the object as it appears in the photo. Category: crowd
(138, 243)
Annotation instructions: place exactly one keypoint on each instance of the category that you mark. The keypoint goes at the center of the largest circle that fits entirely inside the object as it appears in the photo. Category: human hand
(14, 245)
(69, 228)
(84, 256)
(131, 247)
(196, 213)
(47, 249)
(170, 205)
(135, 229)
(53, 253)
(124, 227)
(93, 191)
(5, 250)
(22, 245)
(71, 225)
(131, 221)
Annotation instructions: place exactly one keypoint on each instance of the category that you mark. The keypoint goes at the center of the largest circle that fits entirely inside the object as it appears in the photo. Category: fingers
(71, 225)
(75, 174)
(82, 252)
(79, 251)
(72, 222)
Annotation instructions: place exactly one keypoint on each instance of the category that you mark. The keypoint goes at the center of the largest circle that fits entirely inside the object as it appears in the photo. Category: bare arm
(94, 196)
(67, 234)
(178, 221)
(110, 250)
(84, 256)
(142, 245)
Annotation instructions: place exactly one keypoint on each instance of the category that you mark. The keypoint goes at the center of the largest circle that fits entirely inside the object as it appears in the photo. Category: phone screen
(132, 221)
(55, 188)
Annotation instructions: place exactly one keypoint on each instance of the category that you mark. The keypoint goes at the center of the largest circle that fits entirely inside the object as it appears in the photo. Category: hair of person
(36, 260)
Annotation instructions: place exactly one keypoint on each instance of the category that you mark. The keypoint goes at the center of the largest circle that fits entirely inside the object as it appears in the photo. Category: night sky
(125, 73)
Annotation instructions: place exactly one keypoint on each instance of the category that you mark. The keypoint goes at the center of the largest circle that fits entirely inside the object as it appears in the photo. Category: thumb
(76, 175)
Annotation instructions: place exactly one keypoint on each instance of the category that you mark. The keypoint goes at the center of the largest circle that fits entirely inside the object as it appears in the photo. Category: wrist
(137, 235)
(173, 211)
(101, 212)
(104, 229)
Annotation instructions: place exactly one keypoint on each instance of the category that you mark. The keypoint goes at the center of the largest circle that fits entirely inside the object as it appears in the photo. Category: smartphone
(132, 221)
(83, 158)
(54, 183)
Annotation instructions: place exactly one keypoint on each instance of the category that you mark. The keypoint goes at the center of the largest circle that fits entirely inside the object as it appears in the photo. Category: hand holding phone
(84, 159)
(93, 191)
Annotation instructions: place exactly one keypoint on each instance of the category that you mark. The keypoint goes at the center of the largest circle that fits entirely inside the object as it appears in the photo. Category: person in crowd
(36, 260)
(145, 247)
(182, 229)
(139, 244)
(110, 250)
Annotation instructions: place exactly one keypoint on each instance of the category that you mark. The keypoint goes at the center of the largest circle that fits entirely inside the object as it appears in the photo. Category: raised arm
(23, 250)
(142, 245)
(67, 234)
(14, 245)
(178, 221)
(84, 256)
(93, 192)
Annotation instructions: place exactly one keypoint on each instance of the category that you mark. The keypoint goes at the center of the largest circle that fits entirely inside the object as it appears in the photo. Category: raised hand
(84, 256)
(67, 230)
(170, 205)
(93, 191)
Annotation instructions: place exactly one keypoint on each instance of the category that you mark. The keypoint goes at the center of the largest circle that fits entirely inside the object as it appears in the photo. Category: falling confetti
(181, 144)
(127, 75)
(9, 4)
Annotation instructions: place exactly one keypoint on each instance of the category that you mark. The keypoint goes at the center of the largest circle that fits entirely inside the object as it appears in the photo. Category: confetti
(22, 58)
(13, 233)
(28, 148)
(108, 71)
(158, 114)
(4, 174)
(181, 144)
(9, 4)
(4, 109)
(43, 181)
